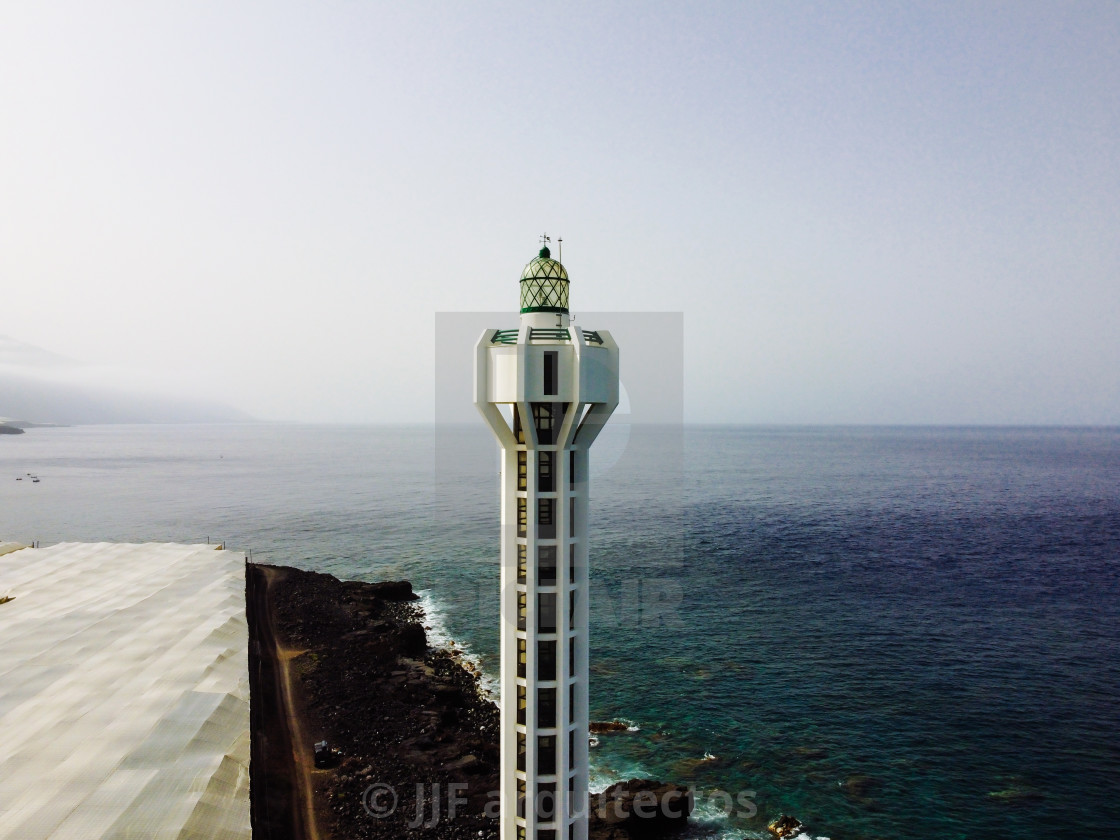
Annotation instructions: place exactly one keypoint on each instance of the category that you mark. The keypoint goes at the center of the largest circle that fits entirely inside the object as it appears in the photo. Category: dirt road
(283, 797)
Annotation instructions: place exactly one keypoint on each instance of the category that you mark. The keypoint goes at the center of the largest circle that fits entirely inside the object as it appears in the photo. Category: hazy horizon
(866, 214)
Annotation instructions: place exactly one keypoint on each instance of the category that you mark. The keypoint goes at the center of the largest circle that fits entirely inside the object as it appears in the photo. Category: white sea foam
(604, 772)
(599, 777)
(711, 817)
(439, 636)
(709, 812)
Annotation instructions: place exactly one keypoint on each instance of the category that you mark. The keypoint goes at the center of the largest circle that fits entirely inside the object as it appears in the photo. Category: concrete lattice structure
(545, 389)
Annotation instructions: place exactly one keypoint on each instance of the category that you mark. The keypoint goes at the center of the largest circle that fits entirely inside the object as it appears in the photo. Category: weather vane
(545, 240)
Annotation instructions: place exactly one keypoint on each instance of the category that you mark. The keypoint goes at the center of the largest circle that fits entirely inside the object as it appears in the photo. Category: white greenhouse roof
(124, 693)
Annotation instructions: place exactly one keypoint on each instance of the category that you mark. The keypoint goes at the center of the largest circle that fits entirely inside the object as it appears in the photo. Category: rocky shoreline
(406, 723)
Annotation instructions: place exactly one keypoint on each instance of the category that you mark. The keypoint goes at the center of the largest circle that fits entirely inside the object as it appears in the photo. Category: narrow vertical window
(546, 565)
(546, 612)
(572, 469)
(522, 563)
(572, 658)
(520, 750)
(546, 661)
(522, 516)
(572, 563)
(546, 755)
(521, 704)
(522, 469)
(551, 372)
(546, 801)
(571, 702)
(572, 610)
(545, 479)
(521, 611)
(521, 797)
(572, 516)
(546, 708)
(521, 648)
(571, 749)
(546, 519)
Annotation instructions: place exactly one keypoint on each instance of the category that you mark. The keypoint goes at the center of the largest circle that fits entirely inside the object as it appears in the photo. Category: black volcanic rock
(10, 430)
(407, 717)
(412, 639)
(639, 808)
(785, 826)
(602, 726)
(393, 590)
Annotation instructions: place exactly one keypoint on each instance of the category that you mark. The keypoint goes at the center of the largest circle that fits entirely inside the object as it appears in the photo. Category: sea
(886, 632)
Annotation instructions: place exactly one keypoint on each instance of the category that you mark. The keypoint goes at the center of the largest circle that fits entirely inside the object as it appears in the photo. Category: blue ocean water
(889, 632)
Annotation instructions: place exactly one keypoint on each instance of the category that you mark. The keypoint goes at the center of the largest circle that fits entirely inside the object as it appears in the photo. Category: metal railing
(544, 333)
(550, 333)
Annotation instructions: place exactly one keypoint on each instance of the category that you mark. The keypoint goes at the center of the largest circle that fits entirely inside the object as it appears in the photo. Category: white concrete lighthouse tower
(546, 389)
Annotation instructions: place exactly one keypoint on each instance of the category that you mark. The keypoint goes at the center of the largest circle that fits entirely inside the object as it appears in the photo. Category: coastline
(350, 663)
(398, 713)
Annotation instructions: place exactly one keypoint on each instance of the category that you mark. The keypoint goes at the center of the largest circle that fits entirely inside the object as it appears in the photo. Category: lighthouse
(545, 388)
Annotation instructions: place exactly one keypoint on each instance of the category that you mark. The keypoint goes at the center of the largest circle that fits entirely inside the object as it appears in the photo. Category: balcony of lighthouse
(562, 366)
(544, 335)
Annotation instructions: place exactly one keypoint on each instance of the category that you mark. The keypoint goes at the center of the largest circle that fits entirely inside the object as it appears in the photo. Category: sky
(864, 212)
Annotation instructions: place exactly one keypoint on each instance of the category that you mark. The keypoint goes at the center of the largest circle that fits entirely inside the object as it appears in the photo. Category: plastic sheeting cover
(124, 693)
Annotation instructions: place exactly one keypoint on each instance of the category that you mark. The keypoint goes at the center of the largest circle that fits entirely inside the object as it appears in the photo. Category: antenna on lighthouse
(560, 249)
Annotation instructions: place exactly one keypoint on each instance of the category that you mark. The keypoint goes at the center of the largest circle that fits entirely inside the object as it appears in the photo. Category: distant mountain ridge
(17, 354)
(39, 386)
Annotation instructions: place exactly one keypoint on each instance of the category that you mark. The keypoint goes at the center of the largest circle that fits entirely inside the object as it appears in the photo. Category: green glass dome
(544, 285)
